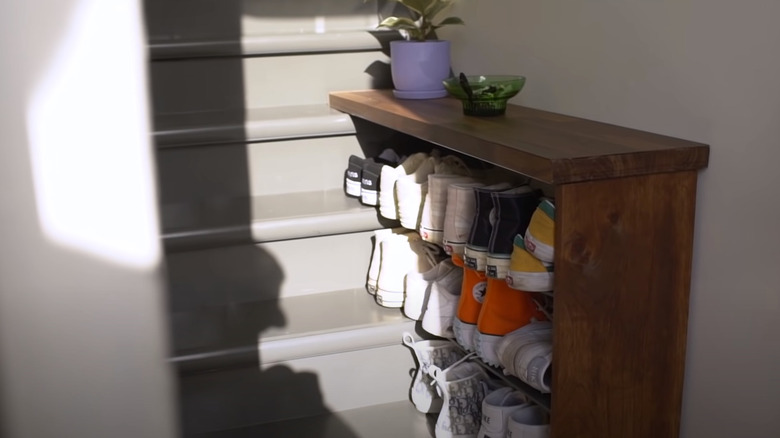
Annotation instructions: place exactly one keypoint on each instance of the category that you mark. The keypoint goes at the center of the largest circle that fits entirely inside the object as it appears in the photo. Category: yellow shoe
(540, 235)
(526, 272)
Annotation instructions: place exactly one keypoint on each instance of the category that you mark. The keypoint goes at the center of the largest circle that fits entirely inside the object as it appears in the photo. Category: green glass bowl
(489, 93)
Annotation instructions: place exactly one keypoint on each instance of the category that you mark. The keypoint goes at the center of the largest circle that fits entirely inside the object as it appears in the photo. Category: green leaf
(450, 20)
(399, 23)
(436, 7)
(418, 6)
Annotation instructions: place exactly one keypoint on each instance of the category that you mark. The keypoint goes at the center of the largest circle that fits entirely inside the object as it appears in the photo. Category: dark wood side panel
(623, 261)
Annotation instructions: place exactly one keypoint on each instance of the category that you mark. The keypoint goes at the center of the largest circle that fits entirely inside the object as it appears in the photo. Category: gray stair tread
(250, 125)
(391, 420)
(273, 44)
(283, 329)
(264, 219)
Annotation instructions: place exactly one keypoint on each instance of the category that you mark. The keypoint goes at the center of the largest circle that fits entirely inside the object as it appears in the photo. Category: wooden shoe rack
(625, 205)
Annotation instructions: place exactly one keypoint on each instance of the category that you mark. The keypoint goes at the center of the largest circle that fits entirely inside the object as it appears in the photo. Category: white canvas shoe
(442, 305)
(410, 191)
(435, 205)
(458, 216)
(530, 421)
(388, 203)
(418, 284)
(429, 353)
(376, 259)
(496, 409)
(526, 353)
(401, 254)
(462, 388)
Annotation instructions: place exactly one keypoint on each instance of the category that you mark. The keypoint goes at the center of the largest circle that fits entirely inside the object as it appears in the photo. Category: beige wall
(83, 339)
(704, 70)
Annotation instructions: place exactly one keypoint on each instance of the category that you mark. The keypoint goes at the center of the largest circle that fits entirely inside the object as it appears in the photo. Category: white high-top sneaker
(530, 421)
(418, 284)
(401, 254)
(496, 409)
(410, 191)
(388, 203)
(458, 216)
(442, 305)
(376, 259)
(429, 353)
(462, 388)
(435, 205)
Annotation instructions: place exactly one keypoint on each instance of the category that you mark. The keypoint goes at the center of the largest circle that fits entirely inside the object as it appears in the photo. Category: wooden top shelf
(549, 147)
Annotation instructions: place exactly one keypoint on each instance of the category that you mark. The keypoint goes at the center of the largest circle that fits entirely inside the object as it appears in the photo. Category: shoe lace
(544, 307)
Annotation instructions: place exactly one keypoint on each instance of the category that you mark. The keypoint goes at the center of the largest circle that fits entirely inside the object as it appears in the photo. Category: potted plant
(420, 62)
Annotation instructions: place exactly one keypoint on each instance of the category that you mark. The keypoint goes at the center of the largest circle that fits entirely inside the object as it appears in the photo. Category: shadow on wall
(221, 300)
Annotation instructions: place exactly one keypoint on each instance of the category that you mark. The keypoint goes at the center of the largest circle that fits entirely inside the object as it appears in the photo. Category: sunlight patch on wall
(89, 132)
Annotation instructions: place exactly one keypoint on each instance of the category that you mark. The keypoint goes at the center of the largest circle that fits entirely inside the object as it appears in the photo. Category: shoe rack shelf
(625, 205)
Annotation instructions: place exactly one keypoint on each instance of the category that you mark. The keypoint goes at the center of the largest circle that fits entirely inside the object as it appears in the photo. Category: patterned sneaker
(388, 202)
(442, 302)
(438, 353)
(496, 409)
(530, 421)
(462, 388)
(526, 272)
(352, 176)
(540, 235)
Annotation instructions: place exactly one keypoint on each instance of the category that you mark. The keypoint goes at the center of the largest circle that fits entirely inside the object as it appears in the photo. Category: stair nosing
(341, 41)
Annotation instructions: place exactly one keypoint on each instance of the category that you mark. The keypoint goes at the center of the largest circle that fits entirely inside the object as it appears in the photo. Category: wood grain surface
(549, 147)
(622, 279)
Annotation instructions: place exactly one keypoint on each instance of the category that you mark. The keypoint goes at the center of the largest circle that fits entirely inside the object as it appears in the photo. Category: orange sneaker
(503, 310)
(471, 296)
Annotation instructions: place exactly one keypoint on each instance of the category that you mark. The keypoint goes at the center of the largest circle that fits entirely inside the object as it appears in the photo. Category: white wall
(83, 340)
(703, 70)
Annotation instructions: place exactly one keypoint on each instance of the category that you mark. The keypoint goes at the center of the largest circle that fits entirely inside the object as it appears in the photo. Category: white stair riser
(269, 168)
(212, 84)
(268, 271)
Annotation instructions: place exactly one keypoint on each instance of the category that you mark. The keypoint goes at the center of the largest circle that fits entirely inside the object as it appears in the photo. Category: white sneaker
(418, 284)
(526, 353)
(429, 353)
(376, 259)
(442, 305)
(458, 216)
(462, 388)
(435, 205)
(410, 191)
(401, 254)
(530, 421)
(496, 409)
(388, 203)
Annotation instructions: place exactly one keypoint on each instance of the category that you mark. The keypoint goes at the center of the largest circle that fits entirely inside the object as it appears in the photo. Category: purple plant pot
(419, 67)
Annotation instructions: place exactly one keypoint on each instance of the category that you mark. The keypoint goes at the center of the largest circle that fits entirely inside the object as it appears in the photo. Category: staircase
(273, 332)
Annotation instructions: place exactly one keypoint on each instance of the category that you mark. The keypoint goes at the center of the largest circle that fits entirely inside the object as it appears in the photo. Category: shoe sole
(390, 299)
(486, 347)
(464, 334)
(530, 281)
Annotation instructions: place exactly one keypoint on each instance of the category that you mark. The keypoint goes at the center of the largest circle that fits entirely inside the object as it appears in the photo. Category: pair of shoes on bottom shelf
(507, 412)
(526, 353)
(448, 383)
(362, 176)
